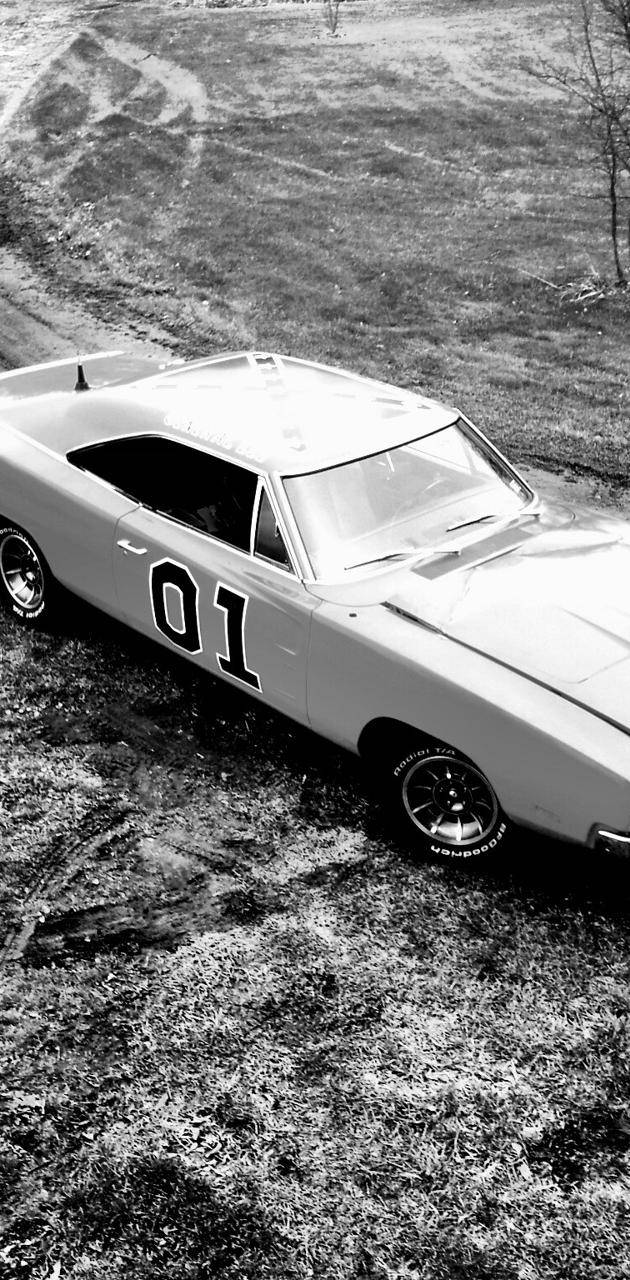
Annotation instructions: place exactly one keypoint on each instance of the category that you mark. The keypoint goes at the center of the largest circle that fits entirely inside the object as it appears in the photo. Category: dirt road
(35, 326)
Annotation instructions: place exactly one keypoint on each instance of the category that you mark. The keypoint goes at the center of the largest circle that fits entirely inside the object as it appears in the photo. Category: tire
(445, 805)
(27, 588)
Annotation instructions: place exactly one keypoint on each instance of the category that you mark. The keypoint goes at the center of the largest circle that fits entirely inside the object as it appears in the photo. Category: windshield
(409, 500)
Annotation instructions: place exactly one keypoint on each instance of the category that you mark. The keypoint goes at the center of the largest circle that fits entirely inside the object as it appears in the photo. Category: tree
(331, 14)
(599, 76)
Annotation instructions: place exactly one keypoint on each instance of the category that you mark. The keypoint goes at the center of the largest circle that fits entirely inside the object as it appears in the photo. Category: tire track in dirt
(228, 893)
(41, 47)
(29, 44)
(64, 859)
(188, 110)
(183, 90)
(135, 925)
(185, 97)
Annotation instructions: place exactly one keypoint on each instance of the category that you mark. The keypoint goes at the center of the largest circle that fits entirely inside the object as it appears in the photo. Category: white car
(359, 557)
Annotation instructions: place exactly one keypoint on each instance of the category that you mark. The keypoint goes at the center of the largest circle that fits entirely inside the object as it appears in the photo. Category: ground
(245, 1034)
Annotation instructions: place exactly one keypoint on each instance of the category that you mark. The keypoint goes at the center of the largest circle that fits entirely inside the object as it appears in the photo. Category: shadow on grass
(152, 1218)
(548, 872)
(591, 1141)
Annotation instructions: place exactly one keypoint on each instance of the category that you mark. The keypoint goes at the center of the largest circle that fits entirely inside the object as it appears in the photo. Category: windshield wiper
(478, 520)
(413, 553)
(389, 555)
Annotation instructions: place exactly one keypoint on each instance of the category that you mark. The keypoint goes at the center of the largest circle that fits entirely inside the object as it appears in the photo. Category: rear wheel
(27, 587)
(446, 805)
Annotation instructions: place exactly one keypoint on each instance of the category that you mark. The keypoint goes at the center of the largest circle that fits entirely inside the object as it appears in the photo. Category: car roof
(274, 413)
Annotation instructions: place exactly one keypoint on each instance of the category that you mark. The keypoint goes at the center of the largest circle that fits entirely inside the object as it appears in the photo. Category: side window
(131, 465)
(186, 484)
(268, 543)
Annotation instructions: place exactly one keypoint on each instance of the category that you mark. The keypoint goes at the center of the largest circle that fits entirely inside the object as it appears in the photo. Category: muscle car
(357, 556)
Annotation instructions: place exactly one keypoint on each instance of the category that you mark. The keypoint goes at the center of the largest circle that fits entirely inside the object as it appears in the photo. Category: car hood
(554, 607)
(547, 598)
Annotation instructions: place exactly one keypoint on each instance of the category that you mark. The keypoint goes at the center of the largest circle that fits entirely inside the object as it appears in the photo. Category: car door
(199, 567)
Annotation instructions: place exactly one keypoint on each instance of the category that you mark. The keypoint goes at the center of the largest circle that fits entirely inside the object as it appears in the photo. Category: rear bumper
(603, 840)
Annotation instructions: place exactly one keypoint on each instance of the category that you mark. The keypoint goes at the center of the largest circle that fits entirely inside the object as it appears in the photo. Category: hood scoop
(498, 544)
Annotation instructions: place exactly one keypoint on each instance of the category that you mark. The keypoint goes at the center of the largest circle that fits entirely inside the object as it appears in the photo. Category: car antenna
(81, 383)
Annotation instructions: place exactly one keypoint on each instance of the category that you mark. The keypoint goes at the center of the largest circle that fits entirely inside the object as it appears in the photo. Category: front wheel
(446, 805)
(27, 588)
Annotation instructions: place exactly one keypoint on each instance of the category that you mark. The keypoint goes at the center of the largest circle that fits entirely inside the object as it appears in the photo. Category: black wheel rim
(449, 800)
(21, 572)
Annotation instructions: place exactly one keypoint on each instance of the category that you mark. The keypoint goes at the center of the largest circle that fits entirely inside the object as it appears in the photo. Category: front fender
(553, 765)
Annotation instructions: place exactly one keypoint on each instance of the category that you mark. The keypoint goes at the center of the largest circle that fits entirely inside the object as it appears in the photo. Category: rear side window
(188, 485)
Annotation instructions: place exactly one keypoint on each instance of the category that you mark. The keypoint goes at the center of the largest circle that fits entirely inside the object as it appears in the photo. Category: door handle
(127, 546)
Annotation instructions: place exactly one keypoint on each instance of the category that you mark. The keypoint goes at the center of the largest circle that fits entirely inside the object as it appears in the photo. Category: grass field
(244, 1035)
(383, 201)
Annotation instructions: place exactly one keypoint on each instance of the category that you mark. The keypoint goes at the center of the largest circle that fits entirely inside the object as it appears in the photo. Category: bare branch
(598, 78)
